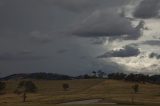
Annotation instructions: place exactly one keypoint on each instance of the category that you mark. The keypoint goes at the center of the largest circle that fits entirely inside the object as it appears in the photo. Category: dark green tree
(65, 86)
(2, 86)
(94, 74)
(25, 87)
(135, 89)
(101, 74)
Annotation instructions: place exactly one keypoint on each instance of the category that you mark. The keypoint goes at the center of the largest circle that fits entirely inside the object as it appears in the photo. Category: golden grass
(51, 92)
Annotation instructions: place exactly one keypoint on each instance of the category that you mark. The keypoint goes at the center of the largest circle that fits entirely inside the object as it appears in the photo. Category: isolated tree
(25, 87)
(65, 86)
(100, 73)
(94, 73)
(135, 89)
(2, 86)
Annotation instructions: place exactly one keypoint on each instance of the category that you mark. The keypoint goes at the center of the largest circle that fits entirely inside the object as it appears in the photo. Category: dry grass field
(51, 93)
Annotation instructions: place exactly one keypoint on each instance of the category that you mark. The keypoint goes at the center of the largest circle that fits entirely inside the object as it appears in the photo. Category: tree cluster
(2, 86)
(135, 77)
(25, 87)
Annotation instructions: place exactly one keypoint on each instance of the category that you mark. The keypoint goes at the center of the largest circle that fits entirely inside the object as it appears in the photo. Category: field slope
(51, 93)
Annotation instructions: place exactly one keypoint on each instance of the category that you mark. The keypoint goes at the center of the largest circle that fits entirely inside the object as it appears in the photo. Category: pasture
(51, 93)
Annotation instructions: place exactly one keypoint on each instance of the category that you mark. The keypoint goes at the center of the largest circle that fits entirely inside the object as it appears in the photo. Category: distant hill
(114, 76)
(44, 76)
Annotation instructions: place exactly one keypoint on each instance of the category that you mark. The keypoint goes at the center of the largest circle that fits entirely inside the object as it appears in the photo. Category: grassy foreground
(51, 93)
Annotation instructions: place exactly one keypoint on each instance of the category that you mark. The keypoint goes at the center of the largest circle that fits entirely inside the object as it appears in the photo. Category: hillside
(44, 76)
(51, 92)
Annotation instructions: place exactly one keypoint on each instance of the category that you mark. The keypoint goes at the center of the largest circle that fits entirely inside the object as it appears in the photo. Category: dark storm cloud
(22, 17)
(107, 24)
(19, 56)
(152, 42)
(73, 5)
(44, 26)
(37, 36)
(85, 5)
(147, 9)
(25, 16)
(154, 55)
(127, 51)
(61, 51)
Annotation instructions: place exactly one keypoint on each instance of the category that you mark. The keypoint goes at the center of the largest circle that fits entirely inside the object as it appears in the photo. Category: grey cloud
(28, 15)
(37, 36)
(107, 24)
(24, 52)
(73, 5)
(151, 42)
(61, 51)
(147, 9)
(127, 51)
(99, 41)
(25, 16)
(86, 5)
(19, 56)
(1, 3)
(36, 25)
(154, 55)
(109, 66)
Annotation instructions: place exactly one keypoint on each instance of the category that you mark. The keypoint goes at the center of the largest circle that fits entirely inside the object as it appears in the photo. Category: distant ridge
(40, 75)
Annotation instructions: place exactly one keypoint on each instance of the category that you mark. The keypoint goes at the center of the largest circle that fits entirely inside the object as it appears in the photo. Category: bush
(2, 86)
(135, 88)
(65, 86)
(26, 87)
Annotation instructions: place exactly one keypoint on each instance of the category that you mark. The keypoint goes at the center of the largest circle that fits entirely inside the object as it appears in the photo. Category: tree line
(93, 75)
(143, 78)
(135, 77)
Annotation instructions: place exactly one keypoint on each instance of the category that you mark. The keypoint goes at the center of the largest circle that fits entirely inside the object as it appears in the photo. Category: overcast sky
(78, 36)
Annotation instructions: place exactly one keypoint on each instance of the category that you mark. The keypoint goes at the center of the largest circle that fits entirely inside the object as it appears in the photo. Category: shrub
(26, 87)
(2, 86)
(65, 86)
